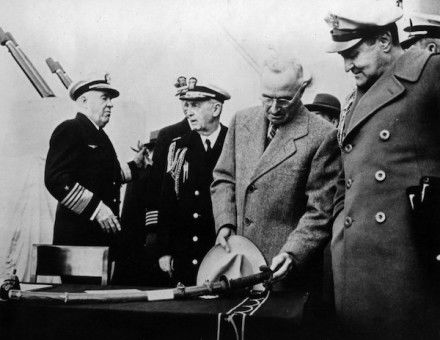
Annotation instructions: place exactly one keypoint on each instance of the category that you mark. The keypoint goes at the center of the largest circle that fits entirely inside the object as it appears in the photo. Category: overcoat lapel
(283, 144)
(384, 90)
(250, 140)
(388, 87)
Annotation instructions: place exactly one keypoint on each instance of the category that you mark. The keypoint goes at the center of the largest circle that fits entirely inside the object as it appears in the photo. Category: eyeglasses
(279, 102)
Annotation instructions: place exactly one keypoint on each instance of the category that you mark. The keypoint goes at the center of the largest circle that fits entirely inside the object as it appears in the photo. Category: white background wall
(145, 45)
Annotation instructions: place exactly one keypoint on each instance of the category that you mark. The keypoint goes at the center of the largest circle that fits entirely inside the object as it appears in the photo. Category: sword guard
(180, 288)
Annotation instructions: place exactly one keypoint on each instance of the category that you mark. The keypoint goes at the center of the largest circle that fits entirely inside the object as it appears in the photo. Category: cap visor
(113, 93)
(409, 42)
(195, 98)
(339, 46)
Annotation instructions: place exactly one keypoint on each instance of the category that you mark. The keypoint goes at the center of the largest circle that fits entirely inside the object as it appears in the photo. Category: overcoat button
(196, 193)
(348, 148)
(194, 262)
(384, 135)
(349, 183)
(195, 238)
(380, 217)
(252, 188)
(380, 175)
(196, 216)
(438, 257)
(247, 221)
(348, 221)
(115, 200)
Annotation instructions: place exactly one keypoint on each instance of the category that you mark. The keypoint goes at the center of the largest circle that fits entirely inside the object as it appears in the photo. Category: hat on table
(243, 259)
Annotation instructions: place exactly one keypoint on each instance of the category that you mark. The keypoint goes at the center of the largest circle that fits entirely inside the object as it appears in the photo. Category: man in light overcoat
(275, 179)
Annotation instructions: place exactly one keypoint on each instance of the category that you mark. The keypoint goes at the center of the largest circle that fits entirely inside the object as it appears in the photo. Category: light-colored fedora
(243, 259)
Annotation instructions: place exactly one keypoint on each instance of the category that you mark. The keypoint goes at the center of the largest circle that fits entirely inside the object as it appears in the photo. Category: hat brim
(195, 99)
(210, 268)
(340, 46)
(409, 42)
(321, 107)
(111, 91)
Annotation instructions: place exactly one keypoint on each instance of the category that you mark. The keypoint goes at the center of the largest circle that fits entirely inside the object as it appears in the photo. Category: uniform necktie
(208, 146)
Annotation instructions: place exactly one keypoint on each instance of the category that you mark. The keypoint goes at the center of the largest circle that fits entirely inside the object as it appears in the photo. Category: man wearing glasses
(275, 179)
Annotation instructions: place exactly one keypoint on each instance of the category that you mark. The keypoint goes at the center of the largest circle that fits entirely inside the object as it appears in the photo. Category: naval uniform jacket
(389, 140)
(81, 171)
(164, 138)
(186, 224)
(280, 197)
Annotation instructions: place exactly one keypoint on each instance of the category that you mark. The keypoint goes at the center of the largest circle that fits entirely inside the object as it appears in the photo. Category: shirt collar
(212, 137)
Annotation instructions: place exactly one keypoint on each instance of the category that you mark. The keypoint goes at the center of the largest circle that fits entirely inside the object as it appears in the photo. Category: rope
(247, 307)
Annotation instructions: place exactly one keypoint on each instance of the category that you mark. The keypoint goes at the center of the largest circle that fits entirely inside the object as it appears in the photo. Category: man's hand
(107, 220)
(139, 158)
(166, 264)
(281, 265)
(222, 236)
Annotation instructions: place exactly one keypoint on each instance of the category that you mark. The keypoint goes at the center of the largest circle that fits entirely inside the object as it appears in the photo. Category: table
(280, 316)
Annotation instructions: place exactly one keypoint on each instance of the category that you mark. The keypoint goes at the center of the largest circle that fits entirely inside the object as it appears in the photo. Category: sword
(222, 286)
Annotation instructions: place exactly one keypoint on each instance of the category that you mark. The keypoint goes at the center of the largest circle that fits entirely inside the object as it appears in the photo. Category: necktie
(271, 131)
(208, 146)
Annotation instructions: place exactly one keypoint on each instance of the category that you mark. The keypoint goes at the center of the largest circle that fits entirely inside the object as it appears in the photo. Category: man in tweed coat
(277, 188)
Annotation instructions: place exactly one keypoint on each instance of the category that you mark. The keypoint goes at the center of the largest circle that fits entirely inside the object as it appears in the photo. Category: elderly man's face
(202, 116)
(366, 62)
(99, 105)
(277, 90)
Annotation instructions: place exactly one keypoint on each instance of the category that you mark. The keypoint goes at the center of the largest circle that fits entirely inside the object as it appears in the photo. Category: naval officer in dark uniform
(164, 138)
(82, 170)
(186, 224)
(149, 271)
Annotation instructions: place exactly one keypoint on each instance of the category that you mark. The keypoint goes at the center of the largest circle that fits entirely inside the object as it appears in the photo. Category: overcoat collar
(260, 161)
(388, 87)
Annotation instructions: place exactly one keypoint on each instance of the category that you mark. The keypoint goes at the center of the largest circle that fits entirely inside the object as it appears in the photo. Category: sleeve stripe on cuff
(71, 194)
(77, 199)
